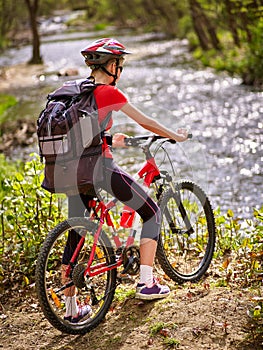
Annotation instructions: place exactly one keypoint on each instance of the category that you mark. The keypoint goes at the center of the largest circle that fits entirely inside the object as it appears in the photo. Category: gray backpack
(70, 139)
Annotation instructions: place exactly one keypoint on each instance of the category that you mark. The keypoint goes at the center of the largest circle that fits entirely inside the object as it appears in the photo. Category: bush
(245, 61)
(239, 252)
(27, 215)
(7, 169)
(253, 73)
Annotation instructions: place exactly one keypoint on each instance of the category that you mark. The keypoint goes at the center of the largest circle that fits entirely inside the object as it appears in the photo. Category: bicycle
(185, 246)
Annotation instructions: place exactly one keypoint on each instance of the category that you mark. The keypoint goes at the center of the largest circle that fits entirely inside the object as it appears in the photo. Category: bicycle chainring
(131, 260)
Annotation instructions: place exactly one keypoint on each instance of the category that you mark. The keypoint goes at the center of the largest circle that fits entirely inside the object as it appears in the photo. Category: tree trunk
(121, 9)
(203, 27)
(232, 22)
(149, 9)
(7, 17)
(32, 6)
(198, 25)
(168, 13)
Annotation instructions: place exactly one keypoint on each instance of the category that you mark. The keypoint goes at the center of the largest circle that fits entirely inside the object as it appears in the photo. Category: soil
(192, 317)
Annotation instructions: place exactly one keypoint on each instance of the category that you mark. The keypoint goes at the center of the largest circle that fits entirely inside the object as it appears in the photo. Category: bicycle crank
(131, 260)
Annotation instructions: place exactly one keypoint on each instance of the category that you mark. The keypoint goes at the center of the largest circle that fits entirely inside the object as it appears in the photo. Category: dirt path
(194, 319)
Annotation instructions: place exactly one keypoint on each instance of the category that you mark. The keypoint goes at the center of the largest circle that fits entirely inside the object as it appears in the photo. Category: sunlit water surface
(226, 153)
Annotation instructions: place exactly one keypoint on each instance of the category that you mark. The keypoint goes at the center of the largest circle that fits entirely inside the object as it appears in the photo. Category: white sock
(146, 274)
(71, 306)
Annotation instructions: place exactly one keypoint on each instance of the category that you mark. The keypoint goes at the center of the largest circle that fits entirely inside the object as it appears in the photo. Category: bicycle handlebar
(138, 140)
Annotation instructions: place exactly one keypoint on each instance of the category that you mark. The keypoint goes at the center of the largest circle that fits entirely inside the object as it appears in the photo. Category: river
(226, 153)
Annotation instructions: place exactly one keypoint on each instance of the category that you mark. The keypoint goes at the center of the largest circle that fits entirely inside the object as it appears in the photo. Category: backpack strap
(105, 122)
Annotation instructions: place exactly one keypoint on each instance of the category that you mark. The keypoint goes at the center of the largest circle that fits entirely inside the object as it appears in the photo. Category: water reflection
(225, 117)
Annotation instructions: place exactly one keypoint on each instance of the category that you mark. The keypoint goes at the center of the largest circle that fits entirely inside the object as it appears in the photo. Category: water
(226, 153)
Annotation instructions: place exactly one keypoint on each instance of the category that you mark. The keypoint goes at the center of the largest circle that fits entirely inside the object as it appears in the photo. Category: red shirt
(108, 99)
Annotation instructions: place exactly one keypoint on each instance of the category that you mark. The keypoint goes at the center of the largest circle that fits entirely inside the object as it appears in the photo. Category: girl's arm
(152, 125)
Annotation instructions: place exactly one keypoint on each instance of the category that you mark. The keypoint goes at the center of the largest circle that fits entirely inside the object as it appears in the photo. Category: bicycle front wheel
(94, 293)
(187, 237)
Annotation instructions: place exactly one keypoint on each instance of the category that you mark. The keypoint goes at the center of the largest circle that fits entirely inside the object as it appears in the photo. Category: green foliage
(253, 60)
(172, 343)
(7, 169)
(27, 215)
(100, 26)
(245, 62)
(240, 31)
(6, 101)
(239, 252)
(256, 319)
(238, 260)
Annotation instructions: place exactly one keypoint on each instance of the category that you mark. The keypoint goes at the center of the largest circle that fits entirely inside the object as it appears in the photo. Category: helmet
(101, 51)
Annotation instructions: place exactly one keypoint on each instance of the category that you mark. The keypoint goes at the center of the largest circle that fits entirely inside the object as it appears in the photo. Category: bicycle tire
(188, 234)
(48, 276)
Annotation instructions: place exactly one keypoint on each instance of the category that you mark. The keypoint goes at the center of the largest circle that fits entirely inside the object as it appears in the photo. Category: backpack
(70, 139)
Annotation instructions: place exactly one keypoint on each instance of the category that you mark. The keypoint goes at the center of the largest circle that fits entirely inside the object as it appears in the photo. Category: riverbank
(20, 76)
(18, 131)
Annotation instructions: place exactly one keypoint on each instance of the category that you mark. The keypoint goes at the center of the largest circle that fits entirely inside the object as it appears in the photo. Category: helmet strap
(115, 76)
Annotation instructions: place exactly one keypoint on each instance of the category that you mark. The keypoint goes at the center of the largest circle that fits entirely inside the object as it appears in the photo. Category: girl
(105, 57)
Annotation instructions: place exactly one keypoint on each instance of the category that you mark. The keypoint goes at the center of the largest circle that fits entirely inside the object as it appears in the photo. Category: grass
(122, 293)
(6, 101)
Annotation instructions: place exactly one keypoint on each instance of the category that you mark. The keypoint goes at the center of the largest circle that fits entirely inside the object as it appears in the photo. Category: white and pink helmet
(101, 51)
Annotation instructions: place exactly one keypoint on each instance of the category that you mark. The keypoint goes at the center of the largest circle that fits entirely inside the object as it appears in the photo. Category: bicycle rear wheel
(187, 238)
(97, 291)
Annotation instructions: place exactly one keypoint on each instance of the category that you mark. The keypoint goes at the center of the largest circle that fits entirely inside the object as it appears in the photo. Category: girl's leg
(122, 186)
(147, 251)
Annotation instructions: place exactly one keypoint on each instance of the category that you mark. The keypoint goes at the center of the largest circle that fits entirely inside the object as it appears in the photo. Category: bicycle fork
(177, 196)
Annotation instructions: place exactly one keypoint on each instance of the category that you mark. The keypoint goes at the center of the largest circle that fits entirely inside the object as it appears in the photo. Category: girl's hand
(118, 140)
(182, 135)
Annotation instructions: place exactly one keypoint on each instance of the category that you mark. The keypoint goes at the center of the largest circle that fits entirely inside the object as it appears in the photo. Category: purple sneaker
(84, 311)
(151, 292)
